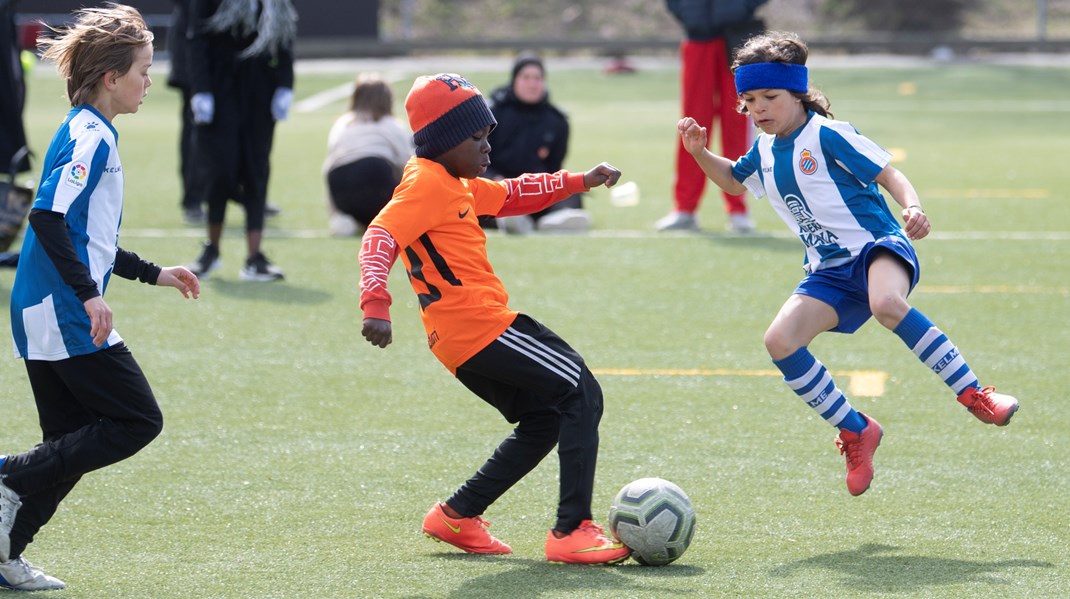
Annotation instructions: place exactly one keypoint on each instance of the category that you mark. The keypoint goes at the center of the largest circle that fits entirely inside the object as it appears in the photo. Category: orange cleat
(988, 406)
(859, 449)
(588, 544)
(468, 534)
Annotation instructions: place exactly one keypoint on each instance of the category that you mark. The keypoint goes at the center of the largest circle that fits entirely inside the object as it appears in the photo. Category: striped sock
(934, 349)
(809, 379)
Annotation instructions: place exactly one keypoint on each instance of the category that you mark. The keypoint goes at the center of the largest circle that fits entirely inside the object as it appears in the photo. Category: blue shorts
(845, 287)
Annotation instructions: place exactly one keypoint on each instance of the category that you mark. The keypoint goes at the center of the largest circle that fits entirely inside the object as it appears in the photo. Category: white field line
(862, 383)
(324, 98)
(635, 234)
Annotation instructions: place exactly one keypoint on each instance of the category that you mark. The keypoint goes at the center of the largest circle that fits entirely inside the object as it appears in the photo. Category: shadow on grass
(268, 291)
(529, 579)
(874, 567)
(757, 240)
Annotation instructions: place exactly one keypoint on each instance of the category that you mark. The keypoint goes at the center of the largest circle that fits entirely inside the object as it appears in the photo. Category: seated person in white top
(366, 150)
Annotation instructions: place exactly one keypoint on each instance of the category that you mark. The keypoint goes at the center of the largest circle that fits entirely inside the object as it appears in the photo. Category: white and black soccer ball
(654, 518)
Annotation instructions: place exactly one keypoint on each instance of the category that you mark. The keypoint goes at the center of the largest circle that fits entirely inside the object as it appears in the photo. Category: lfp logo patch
(807, 163)
(78, 175)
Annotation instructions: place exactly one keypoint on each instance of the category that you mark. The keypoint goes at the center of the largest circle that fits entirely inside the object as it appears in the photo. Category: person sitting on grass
(508, 359)
(821, 177)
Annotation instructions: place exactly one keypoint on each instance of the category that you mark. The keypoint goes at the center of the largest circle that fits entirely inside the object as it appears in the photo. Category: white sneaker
(9, 506)
(343, 225)
(677, 221)
(20, 575)
(565, 220)
(740, 223)
(516, 225)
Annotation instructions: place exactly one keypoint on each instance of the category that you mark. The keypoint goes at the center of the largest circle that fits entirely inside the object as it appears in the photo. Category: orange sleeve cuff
(574, 183)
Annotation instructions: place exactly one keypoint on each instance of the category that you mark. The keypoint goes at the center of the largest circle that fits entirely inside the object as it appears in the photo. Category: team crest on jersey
(807, 163)
(77, 176)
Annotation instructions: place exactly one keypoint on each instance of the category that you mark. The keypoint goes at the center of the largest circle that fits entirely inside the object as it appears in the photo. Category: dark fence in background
(350, 29)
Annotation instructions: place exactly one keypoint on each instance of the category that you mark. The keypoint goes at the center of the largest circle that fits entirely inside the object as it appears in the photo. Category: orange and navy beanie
(443, 110)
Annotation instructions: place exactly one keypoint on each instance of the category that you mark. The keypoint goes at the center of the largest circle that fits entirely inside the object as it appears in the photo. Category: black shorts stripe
(542, 354)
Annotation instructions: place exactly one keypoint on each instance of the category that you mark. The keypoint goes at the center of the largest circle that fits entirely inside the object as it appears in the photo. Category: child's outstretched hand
(377, 331)
(180, 278)
(603, 174)
(692, 135)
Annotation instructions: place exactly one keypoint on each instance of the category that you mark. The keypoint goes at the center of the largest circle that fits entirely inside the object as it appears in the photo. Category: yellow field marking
(861, 383)
(1022, 289)
(1017, 193)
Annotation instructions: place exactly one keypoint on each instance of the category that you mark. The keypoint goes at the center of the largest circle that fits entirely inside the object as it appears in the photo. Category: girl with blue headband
(821, 177)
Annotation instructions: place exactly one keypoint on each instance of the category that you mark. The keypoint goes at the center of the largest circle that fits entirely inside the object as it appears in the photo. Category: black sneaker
(207, 263)
(258, 268)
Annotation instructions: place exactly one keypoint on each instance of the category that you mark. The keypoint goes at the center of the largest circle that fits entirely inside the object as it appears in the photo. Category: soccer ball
(654, 518)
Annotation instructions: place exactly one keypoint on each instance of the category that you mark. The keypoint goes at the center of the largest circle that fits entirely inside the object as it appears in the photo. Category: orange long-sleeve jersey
(433, 217)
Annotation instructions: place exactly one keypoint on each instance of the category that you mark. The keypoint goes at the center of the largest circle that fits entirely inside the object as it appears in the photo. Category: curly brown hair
(101, 40)
(786, 47)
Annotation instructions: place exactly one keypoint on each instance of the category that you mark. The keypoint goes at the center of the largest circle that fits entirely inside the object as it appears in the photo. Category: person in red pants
(708, 93)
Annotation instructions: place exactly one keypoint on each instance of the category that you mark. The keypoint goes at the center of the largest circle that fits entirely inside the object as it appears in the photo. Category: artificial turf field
(298, 461)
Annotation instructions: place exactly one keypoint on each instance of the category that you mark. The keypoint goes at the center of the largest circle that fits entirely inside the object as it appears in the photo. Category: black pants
(186, 162)
(95, 410)
(361, 188)
(232, 154)
(541, 384)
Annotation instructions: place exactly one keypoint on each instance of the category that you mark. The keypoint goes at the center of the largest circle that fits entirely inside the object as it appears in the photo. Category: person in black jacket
(178, 78)
(531, 137)
(240, 67)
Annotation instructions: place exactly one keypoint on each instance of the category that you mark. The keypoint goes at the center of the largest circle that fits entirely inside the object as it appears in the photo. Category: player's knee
(888, 309)
(778, 344)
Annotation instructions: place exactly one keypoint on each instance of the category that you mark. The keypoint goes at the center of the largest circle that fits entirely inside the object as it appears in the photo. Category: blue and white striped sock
(934, 349)
(809, 379)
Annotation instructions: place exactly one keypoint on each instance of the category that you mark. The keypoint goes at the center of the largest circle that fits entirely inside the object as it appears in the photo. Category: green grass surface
(298, 461)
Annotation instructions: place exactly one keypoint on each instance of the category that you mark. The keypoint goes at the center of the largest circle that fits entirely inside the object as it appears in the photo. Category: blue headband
(771, 75)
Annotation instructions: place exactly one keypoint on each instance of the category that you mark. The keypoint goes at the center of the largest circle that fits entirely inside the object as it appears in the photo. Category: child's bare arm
(915, 223)
(717, 168)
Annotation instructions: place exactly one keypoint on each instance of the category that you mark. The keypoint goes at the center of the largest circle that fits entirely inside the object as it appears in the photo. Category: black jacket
(708, 19)
(523, 129)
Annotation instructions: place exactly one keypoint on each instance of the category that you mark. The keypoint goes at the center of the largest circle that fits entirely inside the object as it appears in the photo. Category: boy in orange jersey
(506, 358)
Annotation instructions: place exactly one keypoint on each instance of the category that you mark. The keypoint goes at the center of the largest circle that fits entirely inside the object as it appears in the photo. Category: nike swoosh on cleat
(600, 548)
(463, 214)
(455, 529)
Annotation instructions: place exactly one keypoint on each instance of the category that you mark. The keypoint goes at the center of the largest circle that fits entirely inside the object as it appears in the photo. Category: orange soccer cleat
(468, 534)
(988, 406)
(588, 544)
(859, 449)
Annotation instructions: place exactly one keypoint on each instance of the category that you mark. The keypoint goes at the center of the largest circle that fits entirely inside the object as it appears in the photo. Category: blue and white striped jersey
(820, 182)
(81, 178)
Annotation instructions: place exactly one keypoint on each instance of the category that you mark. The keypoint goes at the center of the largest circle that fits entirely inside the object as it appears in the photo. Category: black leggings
(537, 381)
(95, 410)
(361, 189)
